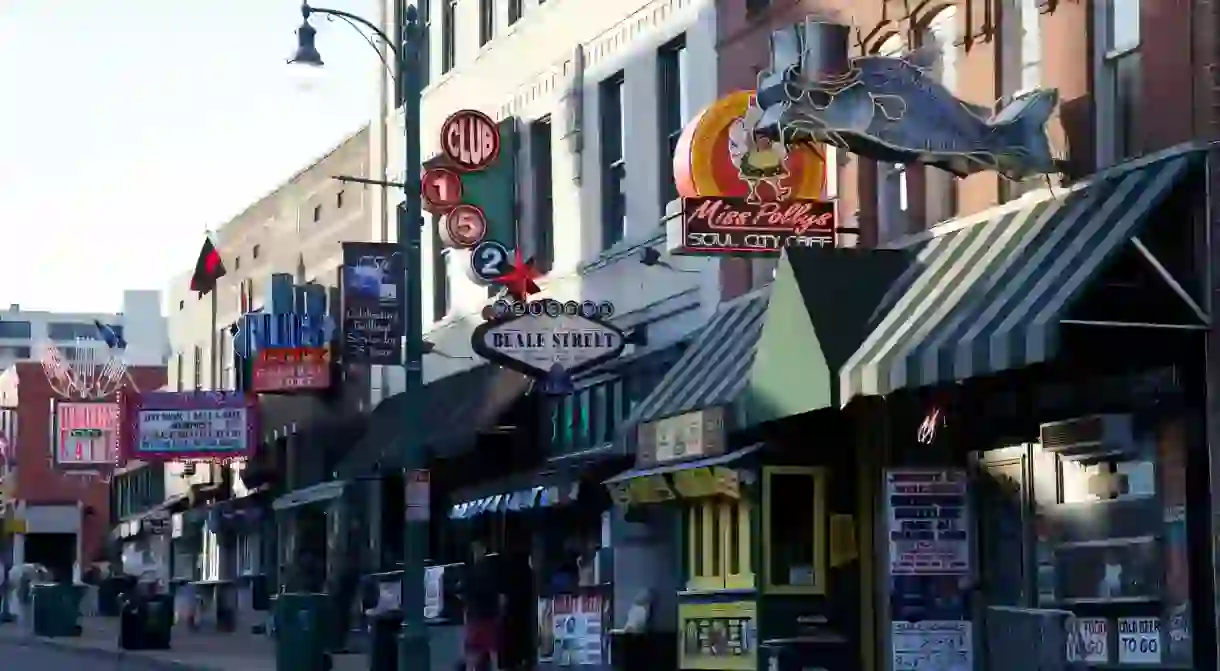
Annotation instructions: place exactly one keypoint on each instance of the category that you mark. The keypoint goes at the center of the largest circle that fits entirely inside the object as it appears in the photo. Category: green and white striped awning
(986, 294)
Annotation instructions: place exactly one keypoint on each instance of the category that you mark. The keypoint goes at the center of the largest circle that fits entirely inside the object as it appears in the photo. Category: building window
(425, 20)
(339, 200)
(941, 186)
(440, 274)
(198, 368)
(516, 9)
(1022, 66)
(448, 36)
(544, 200)
(718, 544)
(1122, 79)
(317, 213)
(487, 21)
(224, 356)
(67, 331)
(237, 263)
(248, 554)
(675, 111)
(794, 532)
(892, 200)
(18, 330)
(612, 106)
(181, 305)
(254, 252)
(754, 7)
(179, 365)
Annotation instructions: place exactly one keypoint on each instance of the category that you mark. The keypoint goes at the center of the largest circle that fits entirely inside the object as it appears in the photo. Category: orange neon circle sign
(704, 164)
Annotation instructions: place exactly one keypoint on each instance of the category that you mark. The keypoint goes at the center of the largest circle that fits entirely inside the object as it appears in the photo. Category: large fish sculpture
(893, 109)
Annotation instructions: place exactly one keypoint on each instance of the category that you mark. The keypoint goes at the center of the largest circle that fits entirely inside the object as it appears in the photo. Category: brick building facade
(45, 498)
(1098, 55)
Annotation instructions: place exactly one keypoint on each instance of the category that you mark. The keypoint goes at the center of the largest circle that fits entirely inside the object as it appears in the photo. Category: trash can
(108, 592)
(383, 646)
(131, 628)
(56, 608)
(301, 619)
(158, 621)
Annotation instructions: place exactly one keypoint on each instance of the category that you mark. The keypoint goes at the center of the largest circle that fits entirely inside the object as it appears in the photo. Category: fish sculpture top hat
(894, 109)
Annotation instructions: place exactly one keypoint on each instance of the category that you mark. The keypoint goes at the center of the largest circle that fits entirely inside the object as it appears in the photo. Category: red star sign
(519, 279)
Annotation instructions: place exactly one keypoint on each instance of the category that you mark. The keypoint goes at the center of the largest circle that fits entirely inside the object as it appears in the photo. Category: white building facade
(142, 323)
(600, 91)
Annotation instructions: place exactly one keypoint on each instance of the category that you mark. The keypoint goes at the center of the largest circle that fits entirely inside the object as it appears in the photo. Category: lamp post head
(306, 53)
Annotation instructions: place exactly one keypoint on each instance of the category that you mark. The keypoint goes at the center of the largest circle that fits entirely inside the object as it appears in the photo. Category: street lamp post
(413, 652)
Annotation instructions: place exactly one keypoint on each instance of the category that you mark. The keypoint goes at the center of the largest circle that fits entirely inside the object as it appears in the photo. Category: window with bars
(612, 107)
(892, 195)
(674, 100)
(544, 202)
(198, 379)
(516, 9)
(440, 274)
(448, 36)
(1021, 68)
(487, 21)
(940, 186)
(1122, 78)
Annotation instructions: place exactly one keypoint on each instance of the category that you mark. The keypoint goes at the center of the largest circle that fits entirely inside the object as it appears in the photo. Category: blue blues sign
(258, 331)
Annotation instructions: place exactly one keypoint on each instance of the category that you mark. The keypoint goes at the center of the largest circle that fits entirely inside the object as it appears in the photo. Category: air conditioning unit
(1090, 438)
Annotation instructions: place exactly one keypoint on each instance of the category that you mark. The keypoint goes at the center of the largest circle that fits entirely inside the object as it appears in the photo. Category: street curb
(117, 656)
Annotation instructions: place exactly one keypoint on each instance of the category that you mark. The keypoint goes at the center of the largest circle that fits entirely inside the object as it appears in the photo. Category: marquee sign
(550, 342)
(290, 369)
(742, 191)
(176, 426)
(85, 434)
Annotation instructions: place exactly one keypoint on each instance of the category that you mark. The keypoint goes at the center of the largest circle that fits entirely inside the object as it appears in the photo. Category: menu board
(570, 629)
(928, 522)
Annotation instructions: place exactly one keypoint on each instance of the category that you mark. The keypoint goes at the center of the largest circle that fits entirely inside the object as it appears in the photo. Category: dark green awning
(457, 408)
(776, 352)
(986, 294)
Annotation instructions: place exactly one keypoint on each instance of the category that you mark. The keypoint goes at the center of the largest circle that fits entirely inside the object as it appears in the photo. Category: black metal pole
(413, 652)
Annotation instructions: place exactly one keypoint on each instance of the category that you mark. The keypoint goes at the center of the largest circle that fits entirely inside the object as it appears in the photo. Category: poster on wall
(85, 434)
(570, 629)
(163, 426)
(1139, 640)
(929, 522)
(932, 645)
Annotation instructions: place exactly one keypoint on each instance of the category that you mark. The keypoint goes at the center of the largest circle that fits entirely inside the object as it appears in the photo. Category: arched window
(892, 199)
(942, 33)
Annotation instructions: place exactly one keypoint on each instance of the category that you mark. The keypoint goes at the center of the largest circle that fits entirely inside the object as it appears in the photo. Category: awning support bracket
(1169, 279)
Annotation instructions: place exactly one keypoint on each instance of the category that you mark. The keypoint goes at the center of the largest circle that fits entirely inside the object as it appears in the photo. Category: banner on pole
(374, 288)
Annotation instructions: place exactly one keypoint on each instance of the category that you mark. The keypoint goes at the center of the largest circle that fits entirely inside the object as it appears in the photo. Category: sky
(130, 127)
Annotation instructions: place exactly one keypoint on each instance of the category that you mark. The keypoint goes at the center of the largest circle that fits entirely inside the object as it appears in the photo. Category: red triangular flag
(208, 269)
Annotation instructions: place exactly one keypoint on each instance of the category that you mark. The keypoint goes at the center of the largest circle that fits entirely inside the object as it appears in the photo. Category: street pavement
(97, 648)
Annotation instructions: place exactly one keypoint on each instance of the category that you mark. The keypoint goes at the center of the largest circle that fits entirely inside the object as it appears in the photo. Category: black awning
(457, 408)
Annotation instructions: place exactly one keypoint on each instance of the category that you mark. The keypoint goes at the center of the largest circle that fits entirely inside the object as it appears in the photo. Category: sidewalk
(190, 651)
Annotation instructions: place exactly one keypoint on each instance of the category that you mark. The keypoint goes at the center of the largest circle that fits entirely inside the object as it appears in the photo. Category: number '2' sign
(488, 262)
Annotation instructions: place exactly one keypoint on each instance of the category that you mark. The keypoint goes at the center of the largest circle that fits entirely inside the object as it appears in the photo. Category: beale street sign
(550, 344)
(719, 225)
